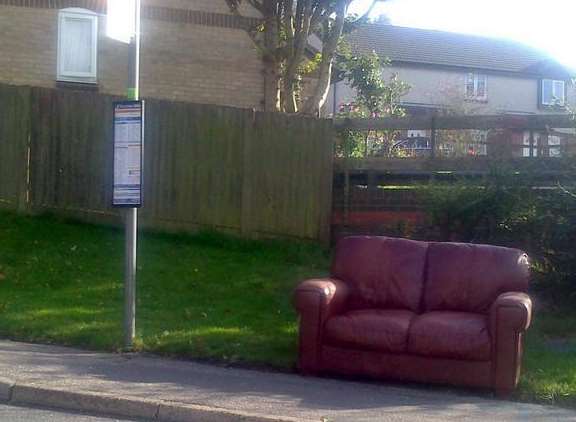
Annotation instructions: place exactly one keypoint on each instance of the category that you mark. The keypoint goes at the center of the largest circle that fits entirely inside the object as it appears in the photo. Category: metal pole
(131, 230)
(130, 278)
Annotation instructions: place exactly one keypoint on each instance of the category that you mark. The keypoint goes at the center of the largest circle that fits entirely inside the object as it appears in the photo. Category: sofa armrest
(316, 300)
(510, 317)
(513, 310)
(327, 295)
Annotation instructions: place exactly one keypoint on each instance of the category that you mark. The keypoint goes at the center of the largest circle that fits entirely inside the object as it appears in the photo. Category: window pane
(526, 152)
(417, 133)
(470, 91)
(547, 91)
(553, 140)
(479, 136)
(555, 152)
(559, 92)
(77, 45)
(481, 86)
(526, 138)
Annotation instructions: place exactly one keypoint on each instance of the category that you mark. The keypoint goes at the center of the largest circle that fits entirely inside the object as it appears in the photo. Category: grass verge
(549, 373)
(206, 296)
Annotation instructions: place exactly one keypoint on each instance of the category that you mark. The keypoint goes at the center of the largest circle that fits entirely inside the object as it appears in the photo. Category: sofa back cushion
(467, 277)
(382, 272)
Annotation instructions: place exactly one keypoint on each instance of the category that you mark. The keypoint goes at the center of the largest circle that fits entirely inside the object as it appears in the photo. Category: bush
(506, 209)
(550, 236)
(476, 211)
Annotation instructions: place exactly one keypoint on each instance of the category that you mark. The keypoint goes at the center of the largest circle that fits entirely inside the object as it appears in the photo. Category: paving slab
(171, 390)
(10, 413)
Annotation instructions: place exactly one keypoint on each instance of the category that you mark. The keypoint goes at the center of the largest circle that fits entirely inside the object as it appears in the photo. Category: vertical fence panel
(255, 174)
(71, 151)
(194, 165)
(14, 138)
(290, 175)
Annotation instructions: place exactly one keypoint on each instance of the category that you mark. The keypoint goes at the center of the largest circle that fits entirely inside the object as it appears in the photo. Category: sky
(549, 25)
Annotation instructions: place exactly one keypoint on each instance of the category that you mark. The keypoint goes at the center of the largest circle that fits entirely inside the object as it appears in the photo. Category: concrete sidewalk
(147, 388)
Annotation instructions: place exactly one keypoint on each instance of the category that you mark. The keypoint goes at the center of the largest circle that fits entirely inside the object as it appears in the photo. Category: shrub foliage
(510, 209)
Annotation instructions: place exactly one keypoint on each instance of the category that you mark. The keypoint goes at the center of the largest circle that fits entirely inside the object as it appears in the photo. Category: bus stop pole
(131, 221)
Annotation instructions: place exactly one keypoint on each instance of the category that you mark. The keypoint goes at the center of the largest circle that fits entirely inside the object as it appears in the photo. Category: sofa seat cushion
(454, 335)
(370, 329)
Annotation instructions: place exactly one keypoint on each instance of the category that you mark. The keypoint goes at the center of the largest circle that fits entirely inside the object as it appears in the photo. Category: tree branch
(566, 191)
(301, 38)
(321, 15)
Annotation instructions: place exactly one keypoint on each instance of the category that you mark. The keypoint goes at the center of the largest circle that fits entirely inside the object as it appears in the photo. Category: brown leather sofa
(449, 313)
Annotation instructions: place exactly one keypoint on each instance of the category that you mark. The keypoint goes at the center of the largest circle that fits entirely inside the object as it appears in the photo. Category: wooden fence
(234, 170)
(15, 127)
(471, 121)
(376, 192)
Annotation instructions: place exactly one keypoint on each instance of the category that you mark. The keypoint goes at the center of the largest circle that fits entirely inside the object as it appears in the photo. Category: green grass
(549, 373)
(205, 296)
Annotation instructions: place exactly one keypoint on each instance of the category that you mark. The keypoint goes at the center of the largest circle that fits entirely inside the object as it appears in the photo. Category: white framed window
(526, 142)
(476, 86)
(480, 149)
(552, 92)
(554, 146)
(446, 149)
(479, 145)
(77, 46)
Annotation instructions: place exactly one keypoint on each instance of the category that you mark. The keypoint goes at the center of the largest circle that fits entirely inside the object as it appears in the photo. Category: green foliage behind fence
(507, 209)
(236, 170)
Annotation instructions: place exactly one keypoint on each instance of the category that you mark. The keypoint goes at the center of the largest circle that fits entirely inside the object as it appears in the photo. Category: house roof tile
(424, 46)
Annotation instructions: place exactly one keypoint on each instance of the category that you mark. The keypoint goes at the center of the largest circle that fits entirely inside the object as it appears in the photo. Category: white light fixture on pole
(121, 20)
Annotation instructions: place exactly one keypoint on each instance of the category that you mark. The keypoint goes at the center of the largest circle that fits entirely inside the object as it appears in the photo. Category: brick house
(192, 50)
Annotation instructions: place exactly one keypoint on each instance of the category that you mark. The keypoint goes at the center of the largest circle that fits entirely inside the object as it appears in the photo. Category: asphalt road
(22, 414)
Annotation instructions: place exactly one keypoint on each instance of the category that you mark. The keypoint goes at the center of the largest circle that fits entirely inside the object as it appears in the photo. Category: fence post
(346, 193)
(433, 138)
(372, 181)
(24, 182)
(23, 200)
(246, 226)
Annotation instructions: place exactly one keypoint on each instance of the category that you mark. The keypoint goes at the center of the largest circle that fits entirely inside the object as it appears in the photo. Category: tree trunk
(289, 103)
(271, 71)
(297, 32)
(320, 93)
(271, 86)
